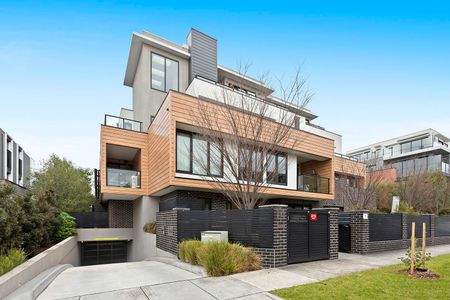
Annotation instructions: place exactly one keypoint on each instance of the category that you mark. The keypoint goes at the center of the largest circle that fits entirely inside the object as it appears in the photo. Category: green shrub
(419, 261)
(245, 259)
(405, 207)
(188, 251)
(223, 258)
(150, 227)
(444, 212)
(11, 259)
(66, 228)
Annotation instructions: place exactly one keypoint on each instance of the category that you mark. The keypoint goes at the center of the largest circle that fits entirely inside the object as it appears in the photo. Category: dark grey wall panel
(442, 226)
(384, 227)
(253, 227)
(203, 60)
(419, 220)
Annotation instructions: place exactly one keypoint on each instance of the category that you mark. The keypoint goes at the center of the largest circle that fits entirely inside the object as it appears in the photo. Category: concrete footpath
(158, 280)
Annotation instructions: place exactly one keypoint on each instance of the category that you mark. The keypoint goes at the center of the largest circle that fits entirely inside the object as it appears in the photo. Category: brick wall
(334, 233)
(120, 214)
(167, 231)
(359, 232)
(277, 255)
(361, 244)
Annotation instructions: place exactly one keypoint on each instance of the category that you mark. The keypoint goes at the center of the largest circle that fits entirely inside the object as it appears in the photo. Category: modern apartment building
(146, 160)
(14, 162)
(407, 155)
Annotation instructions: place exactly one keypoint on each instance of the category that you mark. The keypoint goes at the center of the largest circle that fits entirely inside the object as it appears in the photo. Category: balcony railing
(123, 178)
(123, 123)
(313, 184)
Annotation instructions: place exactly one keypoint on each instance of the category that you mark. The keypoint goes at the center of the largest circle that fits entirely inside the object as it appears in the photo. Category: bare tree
(427, 192)
(357, 188)
(245, 136)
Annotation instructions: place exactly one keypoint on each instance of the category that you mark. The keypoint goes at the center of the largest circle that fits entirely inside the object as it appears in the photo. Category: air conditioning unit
(134, 182)
(214, 236)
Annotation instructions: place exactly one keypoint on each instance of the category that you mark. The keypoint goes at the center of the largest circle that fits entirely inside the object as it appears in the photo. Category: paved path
(156, 280)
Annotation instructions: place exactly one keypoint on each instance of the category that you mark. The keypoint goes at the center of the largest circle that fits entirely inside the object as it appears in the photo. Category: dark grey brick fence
(383, 232)
(264, 229)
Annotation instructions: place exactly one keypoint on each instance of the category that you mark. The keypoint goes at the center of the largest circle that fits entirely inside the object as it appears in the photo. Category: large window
(415, 145)
(197, 156)
(164, 73)
(277, 168)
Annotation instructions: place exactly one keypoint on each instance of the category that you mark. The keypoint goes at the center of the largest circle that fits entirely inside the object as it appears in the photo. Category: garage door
(94, 253)
(308, 235)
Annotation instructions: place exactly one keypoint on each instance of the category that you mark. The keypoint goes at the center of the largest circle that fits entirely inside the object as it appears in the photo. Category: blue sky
(377, 70)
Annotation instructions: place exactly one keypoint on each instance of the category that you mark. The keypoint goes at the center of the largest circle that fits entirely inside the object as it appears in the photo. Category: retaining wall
(65, 252)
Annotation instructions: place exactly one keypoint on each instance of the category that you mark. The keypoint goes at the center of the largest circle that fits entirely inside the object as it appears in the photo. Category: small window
(164, 73)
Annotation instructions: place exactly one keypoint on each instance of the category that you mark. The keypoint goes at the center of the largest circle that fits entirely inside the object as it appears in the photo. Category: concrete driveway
(159, 280)
(146, 280)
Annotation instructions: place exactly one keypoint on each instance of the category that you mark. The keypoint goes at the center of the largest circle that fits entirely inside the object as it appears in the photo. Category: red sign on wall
(313, 217)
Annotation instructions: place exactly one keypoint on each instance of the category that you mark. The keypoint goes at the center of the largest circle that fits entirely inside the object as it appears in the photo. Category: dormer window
(164, 75)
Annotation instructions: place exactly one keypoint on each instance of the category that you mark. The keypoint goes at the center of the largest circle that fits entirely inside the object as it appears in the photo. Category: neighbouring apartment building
(411, 154)
(14, 162)
(144, 165)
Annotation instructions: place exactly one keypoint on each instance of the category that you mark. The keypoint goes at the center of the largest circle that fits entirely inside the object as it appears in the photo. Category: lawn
(383, 283)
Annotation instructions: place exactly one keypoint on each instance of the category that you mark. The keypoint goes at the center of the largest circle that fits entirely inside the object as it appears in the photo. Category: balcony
(123, 123)
(313, 184)
(123, 178)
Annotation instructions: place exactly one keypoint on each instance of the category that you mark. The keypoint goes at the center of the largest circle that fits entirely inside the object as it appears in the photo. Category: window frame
(257, 152)
(191, 156)
(276, 157)
(165, 72)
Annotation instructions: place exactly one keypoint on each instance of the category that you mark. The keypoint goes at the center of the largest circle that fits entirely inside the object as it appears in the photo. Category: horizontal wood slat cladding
(161, 149)
(126, 138)
(348, 166)
(158, 150)
(322, 168)
(183, 107)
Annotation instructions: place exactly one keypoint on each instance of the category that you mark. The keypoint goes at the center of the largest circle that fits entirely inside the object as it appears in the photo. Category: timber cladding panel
(125, 138)
(180, 108)
(183, 107)
(161, 147)
(350, 167)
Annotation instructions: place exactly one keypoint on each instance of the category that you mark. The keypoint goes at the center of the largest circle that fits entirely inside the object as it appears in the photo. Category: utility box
(214, 236)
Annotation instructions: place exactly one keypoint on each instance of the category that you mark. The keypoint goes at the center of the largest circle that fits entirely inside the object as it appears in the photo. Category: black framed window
(250, 164)
(197, 156)
(277, 168)
(164, 73)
